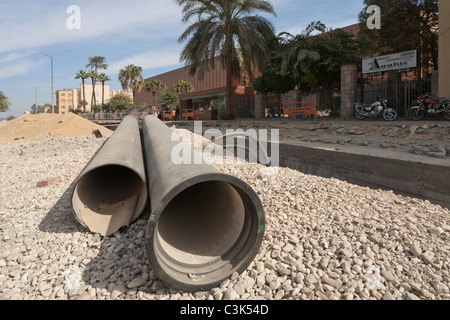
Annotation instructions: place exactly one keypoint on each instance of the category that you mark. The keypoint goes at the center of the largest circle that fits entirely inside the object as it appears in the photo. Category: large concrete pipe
(111, 192)
(204, 225)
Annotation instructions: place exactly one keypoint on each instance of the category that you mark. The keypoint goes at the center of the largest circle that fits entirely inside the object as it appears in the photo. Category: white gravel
(325, 238)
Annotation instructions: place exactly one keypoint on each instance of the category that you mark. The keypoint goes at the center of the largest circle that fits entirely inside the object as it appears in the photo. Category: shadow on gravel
(119, 269)
(60, 218)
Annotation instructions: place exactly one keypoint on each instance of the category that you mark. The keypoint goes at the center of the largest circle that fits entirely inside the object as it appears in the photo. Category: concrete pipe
(204, 225)
(111, 192)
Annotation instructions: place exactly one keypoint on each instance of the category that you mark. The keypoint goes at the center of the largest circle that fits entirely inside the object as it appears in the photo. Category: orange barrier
(305, 108)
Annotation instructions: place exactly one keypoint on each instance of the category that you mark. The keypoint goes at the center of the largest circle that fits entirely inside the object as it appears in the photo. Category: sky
(140, 32)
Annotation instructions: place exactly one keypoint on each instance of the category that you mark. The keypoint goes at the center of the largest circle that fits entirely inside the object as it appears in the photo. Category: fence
(400, 94)
(109, 116)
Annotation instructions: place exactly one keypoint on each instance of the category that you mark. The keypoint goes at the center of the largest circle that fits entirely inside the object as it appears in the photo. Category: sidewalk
(424, 141)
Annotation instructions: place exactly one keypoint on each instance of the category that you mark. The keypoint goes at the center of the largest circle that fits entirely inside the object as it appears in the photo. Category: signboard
(396, 61)
(299, 109)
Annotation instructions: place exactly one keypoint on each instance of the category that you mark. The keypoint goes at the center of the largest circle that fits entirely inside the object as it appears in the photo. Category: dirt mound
(31, 127)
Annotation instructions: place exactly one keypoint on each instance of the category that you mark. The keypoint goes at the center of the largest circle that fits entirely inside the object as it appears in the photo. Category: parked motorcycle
(376, 109)
(427, 105)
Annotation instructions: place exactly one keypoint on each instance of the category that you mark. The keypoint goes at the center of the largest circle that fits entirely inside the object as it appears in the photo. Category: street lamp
(53, 107)
(35, 99)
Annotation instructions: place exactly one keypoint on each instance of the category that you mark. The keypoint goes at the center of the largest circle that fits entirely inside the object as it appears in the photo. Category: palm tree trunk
(84, 97)
(103, 93)
(228, 67)
(93, 94)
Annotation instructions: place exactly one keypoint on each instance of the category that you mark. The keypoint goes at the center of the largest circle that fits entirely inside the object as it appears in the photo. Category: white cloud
(22, 67)
(32, 24)
(152, 59)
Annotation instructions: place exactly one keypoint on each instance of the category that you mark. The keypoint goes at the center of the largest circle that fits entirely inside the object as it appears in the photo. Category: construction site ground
(425, 141)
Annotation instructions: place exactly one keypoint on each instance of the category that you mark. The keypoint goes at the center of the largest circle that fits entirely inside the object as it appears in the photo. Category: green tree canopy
(182, 86)
(131, 78)
(96, 63)
(231, 30)
(4, 102)
(169, 97)
(405, 25)
(36, 109)
(309, 61)
(120, 102)
(154, 86)
(102, 77)
(83, 75)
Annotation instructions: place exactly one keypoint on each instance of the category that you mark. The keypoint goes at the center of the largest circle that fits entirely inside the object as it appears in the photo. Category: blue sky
(140, 32)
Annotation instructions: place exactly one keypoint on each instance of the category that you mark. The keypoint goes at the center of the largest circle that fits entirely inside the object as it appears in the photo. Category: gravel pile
(325, 238)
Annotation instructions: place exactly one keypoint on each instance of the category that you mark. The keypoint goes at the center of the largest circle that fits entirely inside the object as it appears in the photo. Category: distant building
(98, 94)
(66, 100)
(129, 94)
(209, 92)
(70, 99)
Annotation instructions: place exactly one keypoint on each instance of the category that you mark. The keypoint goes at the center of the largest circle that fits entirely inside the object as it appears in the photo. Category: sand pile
(30, 127)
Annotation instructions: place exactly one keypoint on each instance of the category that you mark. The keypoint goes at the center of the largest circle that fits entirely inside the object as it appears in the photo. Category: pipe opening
(206, 231)
(109, 198)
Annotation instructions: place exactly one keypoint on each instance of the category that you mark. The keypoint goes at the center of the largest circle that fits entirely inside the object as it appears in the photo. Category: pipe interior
(109, 198)
(201, 224)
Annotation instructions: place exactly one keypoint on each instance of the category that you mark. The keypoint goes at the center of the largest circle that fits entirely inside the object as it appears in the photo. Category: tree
(93, 75)
(36, 109)
(314, 60)
(95, 63)
(83, 75)
(169, 97)
(271, 81)
(4, 102)
(120, 102)
(102, 77)
(182, 87)
(131, 78)
(405, 25)
(154, 86)
(224, 29)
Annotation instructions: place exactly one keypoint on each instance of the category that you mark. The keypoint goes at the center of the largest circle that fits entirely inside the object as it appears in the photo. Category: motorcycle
(376, 109)
(427, 105)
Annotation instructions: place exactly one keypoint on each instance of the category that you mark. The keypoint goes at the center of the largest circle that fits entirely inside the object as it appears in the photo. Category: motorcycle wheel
(416, 114)
(360, 116)
(390, 115)
(446, 113)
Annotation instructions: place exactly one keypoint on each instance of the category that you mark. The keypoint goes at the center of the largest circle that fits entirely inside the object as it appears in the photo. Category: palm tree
(154, 86)
(182, 87)
(131, 78)
(83, 75)
(224, 28)
(96, 63)
(102, 77)
(93, 75)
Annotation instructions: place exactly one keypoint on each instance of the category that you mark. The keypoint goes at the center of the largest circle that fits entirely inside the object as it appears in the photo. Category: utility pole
(35, 99)
(53, 106)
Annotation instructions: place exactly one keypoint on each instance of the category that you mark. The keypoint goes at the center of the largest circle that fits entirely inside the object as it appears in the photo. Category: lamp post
(53, 107)
(35, 99)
